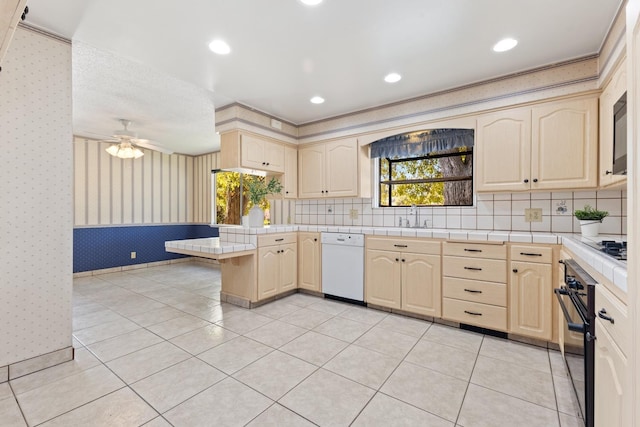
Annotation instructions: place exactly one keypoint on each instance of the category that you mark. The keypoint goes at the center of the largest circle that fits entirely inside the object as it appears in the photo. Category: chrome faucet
(414, 211)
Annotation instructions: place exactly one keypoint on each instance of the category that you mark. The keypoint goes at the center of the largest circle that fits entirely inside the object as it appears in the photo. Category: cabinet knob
(315, 240)
(535, 179)
(403, 259)
(397, 259)
(322, 191)
(526, 181)
(608, 172)
(286, 192)
(515, 270)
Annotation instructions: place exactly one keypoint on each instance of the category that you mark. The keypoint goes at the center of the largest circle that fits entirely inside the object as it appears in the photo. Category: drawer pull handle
(279, 240)
(473, 313)
(603, 315)
(400, 246)
(529, 254)
(473, 291)
(515, 270)
(472, 250)
(473, 268)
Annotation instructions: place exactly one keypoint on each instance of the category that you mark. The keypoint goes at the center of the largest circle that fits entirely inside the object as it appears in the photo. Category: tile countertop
(210, 245)
(614, 270)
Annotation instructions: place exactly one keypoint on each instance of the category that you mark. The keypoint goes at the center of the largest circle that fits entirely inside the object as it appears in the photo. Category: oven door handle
(575, 327)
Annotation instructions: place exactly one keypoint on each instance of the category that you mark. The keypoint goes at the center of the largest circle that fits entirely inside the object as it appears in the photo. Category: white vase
(256, 217)
(590, 227)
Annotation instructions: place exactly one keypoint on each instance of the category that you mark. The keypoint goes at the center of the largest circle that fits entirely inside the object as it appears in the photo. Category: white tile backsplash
(500, 211)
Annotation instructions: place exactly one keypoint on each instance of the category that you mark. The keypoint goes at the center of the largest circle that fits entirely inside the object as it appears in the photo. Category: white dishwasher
(343, 266)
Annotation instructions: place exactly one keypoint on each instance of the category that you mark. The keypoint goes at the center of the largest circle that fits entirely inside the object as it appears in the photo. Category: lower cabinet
(611, 373)
(531, 299)
(309, 261)
(277, 265)
(531, 292)
(399, 279)
(474, 284)
(612, 403)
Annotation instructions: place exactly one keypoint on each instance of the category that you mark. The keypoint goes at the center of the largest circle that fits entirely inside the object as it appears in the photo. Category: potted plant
(590, 220)
(257, 190)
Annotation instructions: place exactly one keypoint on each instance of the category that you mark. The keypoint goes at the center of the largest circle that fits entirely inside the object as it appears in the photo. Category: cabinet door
(421, 284)
(531, 293)
(274, 156)
(341, 168)
(288, 267)
(611, 373)
(564, 145)
(290, 177)
(382, 278)
(612, 92)
(311, 176)
(503, 150)
(268, 271)
(253, 155)
(309, 252)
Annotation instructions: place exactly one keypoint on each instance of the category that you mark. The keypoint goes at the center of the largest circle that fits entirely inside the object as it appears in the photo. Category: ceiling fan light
(113, 149)
(137, 153)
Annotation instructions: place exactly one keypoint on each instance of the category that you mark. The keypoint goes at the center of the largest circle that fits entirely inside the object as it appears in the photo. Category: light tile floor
(156, 347)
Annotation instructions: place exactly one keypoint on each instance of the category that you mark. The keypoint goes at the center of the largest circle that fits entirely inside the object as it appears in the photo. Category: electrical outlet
(533, 215)
(133, 255)
(329, 209)
(353, 213)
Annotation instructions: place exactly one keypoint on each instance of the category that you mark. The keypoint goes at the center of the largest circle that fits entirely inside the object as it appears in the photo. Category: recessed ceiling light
(317, 100)
(505, 45)
(311, 2)
(392, 78)
(220, 47)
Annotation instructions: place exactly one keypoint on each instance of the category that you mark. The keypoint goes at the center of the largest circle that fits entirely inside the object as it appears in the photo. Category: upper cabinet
(612, 92)
(335, 169)
(10, 13)
(243, 150)
(290, 178)
(546, 147)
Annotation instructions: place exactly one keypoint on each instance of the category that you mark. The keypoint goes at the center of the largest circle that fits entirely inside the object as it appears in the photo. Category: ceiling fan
(125, 143)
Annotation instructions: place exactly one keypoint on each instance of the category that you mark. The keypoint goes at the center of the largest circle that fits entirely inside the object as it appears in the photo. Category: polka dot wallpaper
(36, 215)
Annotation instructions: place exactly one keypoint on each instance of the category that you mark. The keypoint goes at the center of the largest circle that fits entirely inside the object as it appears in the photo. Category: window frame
(390, 182)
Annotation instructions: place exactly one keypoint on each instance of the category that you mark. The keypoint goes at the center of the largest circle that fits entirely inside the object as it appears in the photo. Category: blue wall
(107, 247)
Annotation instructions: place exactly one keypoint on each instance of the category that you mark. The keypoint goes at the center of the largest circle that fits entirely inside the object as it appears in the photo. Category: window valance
(416, 144)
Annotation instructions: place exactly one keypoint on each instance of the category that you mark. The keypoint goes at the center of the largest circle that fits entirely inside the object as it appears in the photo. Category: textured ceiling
(283, 52)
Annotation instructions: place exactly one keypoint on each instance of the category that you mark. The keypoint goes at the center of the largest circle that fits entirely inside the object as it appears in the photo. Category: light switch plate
(353, 213)
(533, 215)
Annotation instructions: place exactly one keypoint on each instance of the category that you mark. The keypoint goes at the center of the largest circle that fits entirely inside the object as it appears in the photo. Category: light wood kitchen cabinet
(474, 284)
(560, 151)
(531, 300)
(309, 261)
(244, 150)
(277, 264)
(329, 169)
(504, 139)
(531, 292)
(613, 405)
(612, 92)
(290, 178)
(403, 274)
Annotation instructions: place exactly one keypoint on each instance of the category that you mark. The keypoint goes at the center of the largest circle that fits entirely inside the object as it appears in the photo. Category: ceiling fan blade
(145, 143)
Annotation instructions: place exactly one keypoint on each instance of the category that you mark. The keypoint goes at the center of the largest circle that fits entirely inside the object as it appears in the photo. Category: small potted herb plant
(258, 189)
(590, 220)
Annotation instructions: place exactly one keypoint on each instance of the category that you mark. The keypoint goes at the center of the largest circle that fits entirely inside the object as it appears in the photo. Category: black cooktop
(614, 249)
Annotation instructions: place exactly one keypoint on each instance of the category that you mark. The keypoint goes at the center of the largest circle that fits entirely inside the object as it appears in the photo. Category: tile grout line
(466, 390)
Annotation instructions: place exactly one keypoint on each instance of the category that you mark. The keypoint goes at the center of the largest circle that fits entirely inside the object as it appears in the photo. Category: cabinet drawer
(537, 254)
(475, 291)
(490, 270)
(472, 313)
(276, 239)
(475, 250)
(417, 246)
(619, 330)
